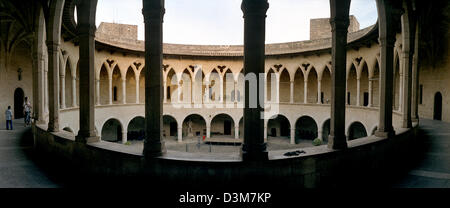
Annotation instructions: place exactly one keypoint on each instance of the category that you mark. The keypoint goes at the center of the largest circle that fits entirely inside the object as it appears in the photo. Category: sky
(220, 22)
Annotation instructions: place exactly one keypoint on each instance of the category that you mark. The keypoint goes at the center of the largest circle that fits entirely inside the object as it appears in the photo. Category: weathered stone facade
(320, 28)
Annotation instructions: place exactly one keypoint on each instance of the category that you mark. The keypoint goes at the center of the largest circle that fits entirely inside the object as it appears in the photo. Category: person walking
(27, 111)
(9, 117)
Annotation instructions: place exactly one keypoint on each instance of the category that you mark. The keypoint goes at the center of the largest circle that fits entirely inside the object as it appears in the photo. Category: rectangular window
(168, 93)
(321, 97)
(420, 94)
(366, 99)
(348, 98)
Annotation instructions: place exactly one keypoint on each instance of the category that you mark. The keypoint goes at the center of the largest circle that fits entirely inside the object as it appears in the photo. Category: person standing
(9, 117)
(27, 111)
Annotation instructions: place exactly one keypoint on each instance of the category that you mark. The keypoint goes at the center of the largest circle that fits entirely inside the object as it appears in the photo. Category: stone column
(265, 88)
(277, 90)
(254, 148)
(137, 89)
(387, 40)
(408, 33)
(305, 98)
(236, 132)
(110, 90)
(53, 46)
(400, 91)
(320, 134)
(179, 91)
(63, 91)
(291, 96)
(97, 89)
(153, 11)
(319, 91)
(358, 91)
(86, 33)
(235, 92)
(221, 100)
(292, 135)
(46, 93)
(165, 92)
(206, 92)
(74, 92)
(370, 93)
(124, 137)
(180, 134)
(339, 23)
(208, 131)
(415, 76)
(124, 91)
(38, 87)
(53, 97)
(265, 132)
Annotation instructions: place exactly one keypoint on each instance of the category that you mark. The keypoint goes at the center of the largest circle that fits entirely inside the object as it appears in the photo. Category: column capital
(153, 10)
(254, 7)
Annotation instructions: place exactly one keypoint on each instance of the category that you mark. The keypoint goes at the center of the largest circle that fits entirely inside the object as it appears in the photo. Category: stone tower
(321, 28)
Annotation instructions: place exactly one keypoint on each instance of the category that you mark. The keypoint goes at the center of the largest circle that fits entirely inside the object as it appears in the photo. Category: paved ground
(17, 168)
(432, 170)
(20, 168)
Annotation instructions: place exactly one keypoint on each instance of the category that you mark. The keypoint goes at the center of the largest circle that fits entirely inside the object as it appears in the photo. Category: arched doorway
(222, 125)
(278, 126)
(170, 126)
(437, 114)
(194, 125)
(305, 129)
(19, 96)
(356, 131)
(112, 131)
(136, 129)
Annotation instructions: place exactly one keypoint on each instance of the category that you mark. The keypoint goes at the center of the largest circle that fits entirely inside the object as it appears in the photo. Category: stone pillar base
(337, 142)
(155, 149)
(84, 139)
(385, 134)
(254, 152)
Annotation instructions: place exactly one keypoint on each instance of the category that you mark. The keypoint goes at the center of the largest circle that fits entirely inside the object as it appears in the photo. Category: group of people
(26, 112)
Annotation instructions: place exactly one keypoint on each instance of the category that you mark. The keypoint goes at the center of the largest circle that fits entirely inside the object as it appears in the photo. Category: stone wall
(321, 28)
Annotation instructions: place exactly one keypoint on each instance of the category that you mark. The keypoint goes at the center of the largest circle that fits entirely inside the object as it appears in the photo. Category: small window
(115, 94)
(168, 93)
(420, 94)
(348, 98)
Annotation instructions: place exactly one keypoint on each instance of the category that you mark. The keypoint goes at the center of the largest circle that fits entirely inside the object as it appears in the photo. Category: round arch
(136, 129)
(170, 127)
(194, 125)
(222, 125)
(112, 131)
(306, 128)
(356, 130)
(278, 126)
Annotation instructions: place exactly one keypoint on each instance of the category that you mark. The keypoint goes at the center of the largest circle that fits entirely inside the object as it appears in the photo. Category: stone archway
(19, 96)
(136, 129)
(222, 125)
(112, 131)
(356, 131)
(306, 129)
(170, 126)
(194, 125)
